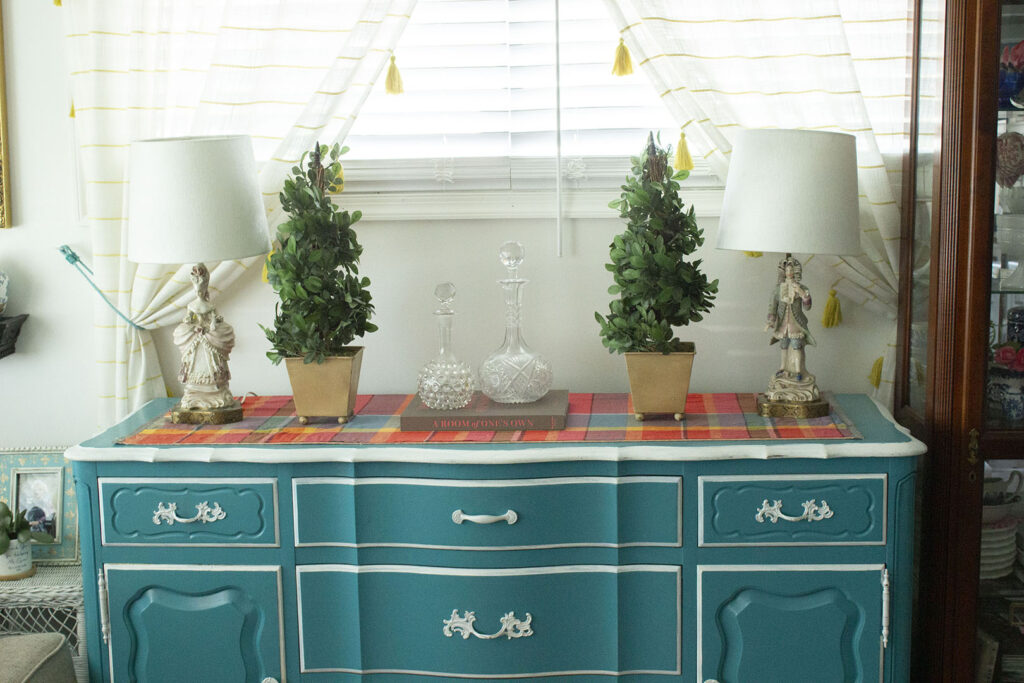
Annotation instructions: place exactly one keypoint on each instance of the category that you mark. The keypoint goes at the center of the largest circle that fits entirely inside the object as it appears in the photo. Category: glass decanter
(445, 383)
(514, 373)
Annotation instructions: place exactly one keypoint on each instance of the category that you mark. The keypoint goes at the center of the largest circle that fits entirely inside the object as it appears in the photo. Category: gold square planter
(325, 389)
(659, 382)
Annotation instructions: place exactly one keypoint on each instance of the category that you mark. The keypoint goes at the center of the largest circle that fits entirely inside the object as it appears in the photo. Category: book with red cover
(484, 415)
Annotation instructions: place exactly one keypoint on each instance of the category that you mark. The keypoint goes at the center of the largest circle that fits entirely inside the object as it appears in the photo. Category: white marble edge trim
(483, 483)
(523, 571)
(354, 453)
(114, 566)
(702, 568)
(100, 481)
(824, 478)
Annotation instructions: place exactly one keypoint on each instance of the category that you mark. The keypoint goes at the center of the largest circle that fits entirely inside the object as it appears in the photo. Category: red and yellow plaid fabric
(592, 417)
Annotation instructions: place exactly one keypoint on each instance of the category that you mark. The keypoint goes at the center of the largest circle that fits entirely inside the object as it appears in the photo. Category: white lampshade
(791, 191)
(194, 199)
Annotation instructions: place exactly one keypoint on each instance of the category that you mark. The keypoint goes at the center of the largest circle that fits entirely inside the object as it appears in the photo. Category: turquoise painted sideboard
(728, 561)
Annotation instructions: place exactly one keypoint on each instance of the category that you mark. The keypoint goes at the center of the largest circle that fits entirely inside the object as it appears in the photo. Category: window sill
(505, 204)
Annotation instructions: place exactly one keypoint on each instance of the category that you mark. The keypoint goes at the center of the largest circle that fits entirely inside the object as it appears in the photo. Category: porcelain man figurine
(788, 326)
(205, 341)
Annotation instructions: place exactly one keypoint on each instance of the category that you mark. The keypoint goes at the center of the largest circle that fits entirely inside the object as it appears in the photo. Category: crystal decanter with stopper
(445, 383)
(514, 373)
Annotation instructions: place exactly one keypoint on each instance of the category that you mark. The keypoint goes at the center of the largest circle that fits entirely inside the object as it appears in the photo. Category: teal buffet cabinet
(728, 561)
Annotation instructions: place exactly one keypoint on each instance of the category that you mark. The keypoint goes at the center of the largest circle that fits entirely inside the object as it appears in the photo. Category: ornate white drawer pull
(510, 626)
(812, 512)
(510, 516)
(204, 514)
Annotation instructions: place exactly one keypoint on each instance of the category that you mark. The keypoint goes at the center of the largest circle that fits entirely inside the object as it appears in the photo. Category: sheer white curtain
(838, 65)
(285, 72)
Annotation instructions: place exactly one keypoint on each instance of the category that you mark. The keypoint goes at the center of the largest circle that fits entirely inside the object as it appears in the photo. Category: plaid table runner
(592, 417)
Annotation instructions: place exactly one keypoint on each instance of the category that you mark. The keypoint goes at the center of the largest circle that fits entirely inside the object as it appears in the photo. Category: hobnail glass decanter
(514, 373)
(445, 383)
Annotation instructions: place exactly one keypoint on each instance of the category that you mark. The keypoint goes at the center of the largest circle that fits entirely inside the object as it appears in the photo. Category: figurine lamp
(196, 200)
(791, 191)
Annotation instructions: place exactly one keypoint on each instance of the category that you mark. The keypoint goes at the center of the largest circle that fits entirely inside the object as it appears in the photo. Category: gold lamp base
(799, 409)
(206, 416)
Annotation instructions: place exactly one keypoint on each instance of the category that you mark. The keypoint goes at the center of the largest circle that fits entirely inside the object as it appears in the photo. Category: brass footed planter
(325, 389)
(659, 382)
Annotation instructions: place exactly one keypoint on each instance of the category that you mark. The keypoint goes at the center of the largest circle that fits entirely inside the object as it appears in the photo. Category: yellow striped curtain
(285, 72)
(836, 65)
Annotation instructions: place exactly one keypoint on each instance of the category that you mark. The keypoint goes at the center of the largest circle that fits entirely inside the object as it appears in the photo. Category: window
(487, 90)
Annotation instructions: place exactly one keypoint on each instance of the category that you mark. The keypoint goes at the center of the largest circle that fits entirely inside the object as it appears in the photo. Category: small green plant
(16, 527)
(324, 303)
(656, 287)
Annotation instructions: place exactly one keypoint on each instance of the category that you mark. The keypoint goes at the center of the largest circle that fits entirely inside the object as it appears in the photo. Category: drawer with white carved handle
(189, 511)
(499, 514)
(794, 509)
(490, 623)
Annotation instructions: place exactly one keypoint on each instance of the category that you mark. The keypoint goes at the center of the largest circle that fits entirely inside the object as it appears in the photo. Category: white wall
(47, 388)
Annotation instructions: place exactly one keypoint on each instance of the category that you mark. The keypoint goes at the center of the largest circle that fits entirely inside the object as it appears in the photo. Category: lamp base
(207, 416)
(799, 409)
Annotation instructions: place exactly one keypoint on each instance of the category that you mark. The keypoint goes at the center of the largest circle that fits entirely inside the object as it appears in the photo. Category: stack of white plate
(998, 548)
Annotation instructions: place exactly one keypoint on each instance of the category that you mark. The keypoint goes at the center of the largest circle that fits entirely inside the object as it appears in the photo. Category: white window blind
(479, 108)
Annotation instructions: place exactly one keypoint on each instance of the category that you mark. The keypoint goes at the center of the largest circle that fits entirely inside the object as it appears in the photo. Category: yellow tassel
(875, 376)
(754, 254)
(623, 65)
(71, 114)
(684, 162)
(266, 262)
(57, 3)
(393, 83)
(833, 314)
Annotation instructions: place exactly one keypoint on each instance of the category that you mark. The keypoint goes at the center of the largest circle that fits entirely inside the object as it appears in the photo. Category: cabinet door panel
(790, 624)
(198, 623)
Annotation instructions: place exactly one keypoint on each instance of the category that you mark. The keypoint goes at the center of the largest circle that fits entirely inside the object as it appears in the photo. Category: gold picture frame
(5, 180)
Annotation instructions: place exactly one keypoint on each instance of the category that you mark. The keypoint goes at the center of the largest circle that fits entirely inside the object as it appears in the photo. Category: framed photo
(40, 492)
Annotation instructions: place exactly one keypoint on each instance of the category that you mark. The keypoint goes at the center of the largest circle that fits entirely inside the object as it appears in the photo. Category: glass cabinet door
(1004, 404)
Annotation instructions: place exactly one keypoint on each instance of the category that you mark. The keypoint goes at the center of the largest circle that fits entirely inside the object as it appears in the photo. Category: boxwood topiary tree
(324, 302)
(657, 288)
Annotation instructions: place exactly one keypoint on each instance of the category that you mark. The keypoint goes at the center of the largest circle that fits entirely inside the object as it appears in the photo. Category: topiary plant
(16, 527)
(657, 288)
(315, 269)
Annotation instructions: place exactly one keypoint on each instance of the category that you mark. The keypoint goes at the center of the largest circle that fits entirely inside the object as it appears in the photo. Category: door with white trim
(193, 622)
(791, 623)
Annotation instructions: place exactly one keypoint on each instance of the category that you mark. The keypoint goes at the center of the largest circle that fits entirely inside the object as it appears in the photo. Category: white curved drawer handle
(204, 514)
(510, 626)
(510, 516)
(812, 512)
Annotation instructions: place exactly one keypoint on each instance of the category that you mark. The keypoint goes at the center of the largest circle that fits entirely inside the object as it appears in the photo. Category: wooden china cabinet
(962, 276)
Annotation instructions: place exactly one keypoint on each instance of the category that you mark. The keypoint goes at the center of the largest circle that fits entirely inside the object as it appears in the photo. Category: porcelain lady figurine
(205, 341)
(788, 326)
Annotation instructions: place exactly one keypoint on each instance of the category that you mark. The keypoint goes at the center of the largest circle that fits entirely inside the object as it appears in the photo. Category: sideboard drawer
(189, 512)
(490, 623)
(510, 514)
(841, 509)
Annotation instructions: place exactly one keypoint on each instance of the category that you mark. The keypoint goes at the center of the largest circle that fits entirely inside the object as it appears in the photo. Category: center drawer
(512, 514)
(537, 621)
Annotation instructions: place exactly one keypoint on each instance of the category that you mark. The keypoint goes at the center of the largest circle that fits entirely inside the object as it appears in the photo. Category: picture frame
(40, 491)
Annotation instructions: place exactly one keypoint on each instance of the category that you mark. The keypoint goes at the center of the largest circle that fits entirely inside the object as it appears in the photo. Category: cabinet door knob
(510, 626)
(812, 512)
(510, 516)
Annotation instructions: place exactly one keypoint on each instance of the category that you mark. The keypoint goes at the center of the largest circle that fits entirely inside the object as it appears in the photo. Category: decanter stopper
(514, 373)
(445, 383)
